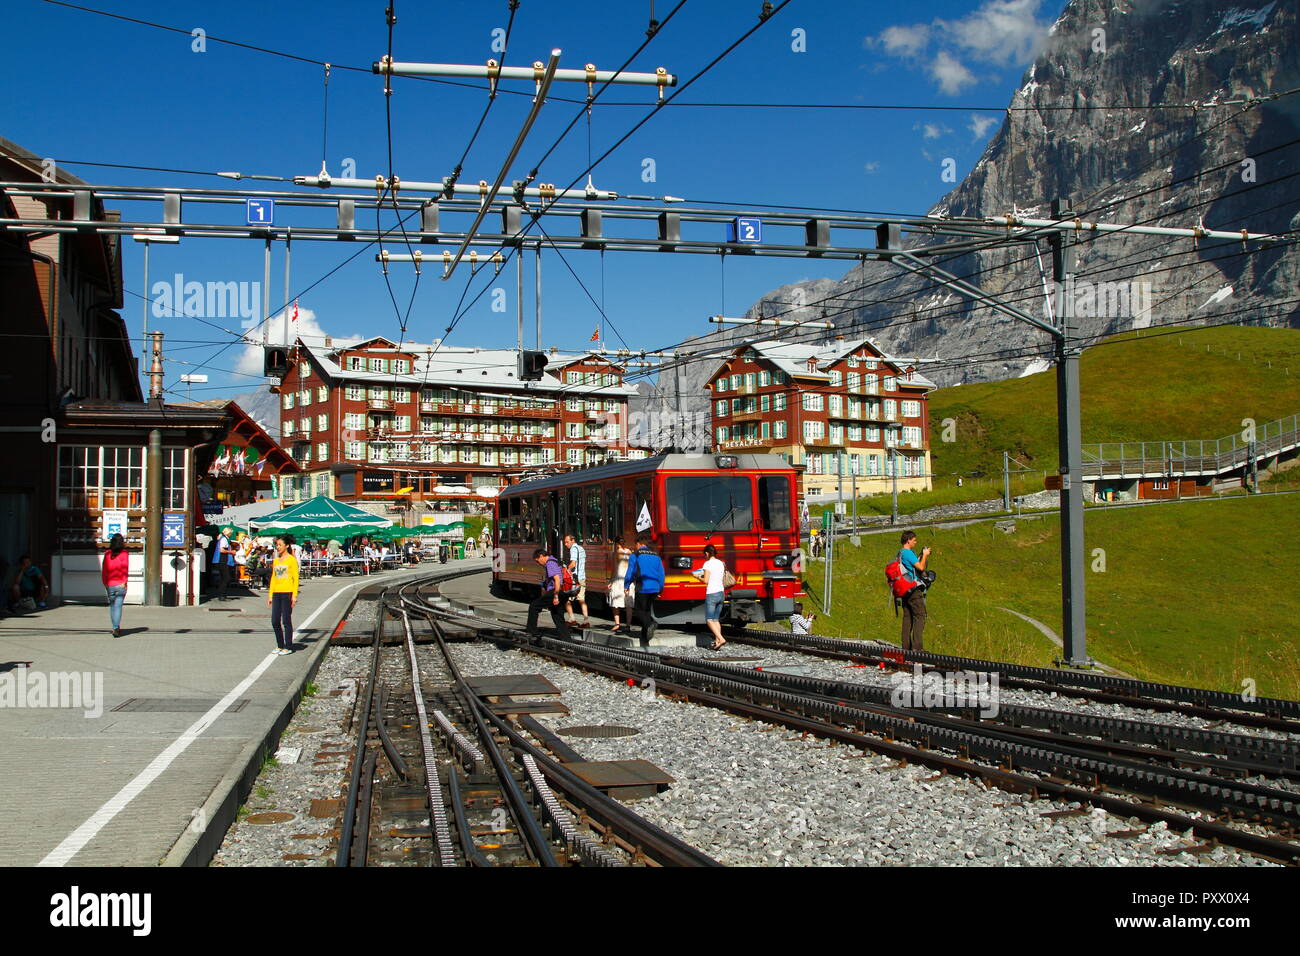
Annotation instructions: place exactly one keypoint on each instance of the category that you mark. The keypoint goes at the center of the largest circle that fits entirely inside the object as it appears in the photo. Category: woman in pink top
(113, 574)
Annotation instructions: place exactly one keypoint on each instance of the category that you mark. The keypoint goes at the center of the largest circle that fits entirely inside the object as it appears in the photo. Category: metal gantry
(593, 212)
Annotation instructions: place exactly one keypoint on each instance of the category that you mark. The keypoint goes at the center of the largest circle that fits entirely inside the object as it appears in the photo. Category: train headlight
(726, 461)
(682, 563)
(781, 560)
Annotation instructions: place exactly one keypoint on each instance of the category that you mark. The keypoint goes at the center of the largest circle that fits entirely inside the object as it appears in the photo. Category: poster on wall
(113, 522)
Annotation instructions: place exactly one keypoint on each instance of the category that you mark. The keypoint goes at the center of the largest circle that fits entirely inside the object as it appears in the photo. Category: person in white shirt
(713, 574)
(577, 555)
(800, 624)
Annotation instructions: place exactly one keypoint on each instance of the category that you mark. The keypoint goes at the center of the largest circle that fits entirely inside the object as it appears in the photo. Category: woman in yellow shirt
(283, 596)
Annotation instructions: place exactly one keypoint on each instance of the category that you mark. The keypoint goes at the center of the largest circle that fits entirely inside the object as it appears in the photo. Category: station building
(844, 410)
(76, 426)
(372, 422)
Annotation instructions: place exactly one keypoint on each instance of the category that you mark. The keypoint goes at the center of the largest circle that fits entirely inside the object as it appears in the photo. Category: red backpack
(896, 577)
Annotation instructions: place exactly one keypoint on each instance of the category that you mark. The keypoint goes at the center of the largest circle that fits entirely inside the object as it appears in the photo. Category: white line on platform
(75, 842)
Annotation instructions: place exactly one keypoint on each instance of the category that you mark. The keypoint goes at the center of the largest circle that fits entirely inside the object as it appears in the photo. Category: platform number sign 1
(259, 212)
(744, 229)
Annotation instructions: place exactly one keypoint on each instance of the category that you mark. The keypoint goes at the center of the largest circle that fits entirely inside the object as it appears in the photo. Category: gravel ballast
(749, 793)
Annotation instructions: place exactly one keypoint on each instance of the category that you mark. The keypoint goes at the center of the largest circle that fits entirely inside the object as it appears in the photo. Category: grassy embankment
(1149, 387)
(1201, 593)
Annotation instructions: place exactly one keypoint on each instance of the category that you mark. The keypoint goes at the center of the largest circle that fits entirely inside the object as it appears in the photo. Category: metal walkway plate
(625, 779)
(512, 685)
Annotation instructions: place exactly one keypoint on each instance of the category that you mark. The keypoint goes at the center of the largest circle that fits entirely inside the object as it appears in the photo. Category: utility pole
(153, 488)
(1070, 445)
(893, 472)
(853, 481)
(1006, 482)
(537, 293)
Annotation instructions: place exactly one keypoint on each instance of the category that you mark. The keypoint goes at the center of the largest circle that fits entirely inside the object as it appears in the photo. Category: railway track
(1268, 713)
(1191, 779)
(438, 779)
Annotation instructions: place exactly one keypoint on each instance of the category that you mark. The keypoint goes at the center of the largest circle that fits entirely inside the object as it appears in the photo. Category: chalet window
(286, 400)
(722, 433)
(779, 431)
(764, 378)
(891, 383)
(356, 363)
(778, 402)
(355, 393)
(322, 393)
(323, 451)
(765, 403)
(836, 378)
(721, 407)
(812, 402)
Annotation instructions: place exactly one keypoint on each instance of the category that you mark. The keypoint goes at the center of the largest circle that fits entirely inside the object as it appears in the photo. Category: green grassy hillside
(1202, 593)
(1136, 387)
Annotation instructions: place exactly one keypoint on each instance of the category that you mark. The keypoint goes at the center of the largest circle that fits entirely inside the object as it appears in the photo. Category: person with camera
(913, 602)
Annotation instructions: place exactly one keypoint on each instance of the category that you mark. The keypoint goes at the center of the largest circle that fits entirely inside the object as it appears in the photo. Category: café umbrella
(320, 514)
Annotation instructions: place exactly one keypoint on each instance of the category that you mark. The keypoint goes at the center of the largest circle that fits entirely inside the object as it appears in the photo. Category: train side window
(774, 502)
(527, 515)
(642, 500)
(614, 513)
(574, 525)
(594, 527)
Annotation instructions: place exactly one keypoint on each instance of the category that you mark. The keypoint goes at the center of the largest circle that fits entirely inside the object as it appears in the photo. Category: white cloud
(306, 328)
(902, 41)
(981, 124)
(932, 130)
(1001, 31)
(950, 73)
(998, 32)
(870, 167)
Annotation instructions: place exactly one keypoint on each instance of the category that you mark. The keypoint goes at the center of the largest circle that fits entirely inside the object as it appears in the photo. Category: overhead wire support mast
(494, 72)
(543, 76)
(805, 324)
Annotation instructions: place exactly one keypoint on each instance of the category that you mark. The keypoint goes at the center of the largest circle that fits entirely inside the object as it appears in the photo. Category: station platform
(471, 593)
(136, 751)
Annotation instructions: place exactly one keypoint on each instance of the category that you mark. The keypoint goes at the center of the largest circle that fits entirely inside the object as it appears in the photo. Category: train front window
(774, 502)
(710, 503)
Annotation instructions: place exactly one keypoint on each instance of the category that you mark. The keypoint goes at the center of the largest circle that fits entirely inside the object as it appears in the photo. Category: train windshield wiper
(724, 517)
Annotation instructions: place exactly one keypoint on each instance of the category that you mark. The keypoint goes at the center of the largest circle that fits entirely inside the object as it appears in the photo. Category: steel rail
(884, 733)
(537, 842)
(344, 857)
(1269, 712)
(657, 844)
(1207, 793)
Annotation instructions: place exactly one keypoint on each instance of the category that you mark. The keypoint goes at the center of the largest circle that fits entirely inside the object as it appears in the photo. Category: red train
(745, 505)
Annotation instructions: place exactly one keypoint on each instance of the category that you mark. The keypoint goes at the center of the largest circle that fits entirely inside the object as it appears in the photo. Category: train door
(614, 514)
(643, 508)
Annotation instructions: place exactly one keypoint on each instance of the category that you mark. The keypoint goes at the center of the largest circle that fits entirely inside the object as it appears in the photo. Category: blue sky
(82, 87)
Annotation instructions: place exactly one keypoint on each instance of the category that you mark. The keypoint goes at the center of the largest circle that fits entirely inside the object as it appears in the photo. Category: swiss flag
(294, 317)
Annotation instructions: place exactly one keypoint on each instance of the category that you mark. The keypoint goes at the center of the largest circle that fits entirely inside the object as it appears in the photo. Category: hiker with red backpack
(908, 579)
(555, 587)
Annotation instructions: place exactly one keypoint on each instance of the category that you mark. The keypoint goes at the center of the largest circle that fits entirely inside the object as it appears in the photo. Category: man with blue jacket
(645, 569)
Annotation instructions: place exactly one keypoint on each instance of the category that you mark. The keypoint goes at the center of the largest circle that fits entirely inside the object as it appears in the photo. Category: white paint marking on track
(76, 841)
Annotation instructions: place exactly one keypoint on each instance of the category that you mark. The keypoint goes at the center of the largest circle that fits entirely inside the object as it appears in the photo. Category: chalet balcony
(428, 408)
(379, 405)
(824, 442)
(753, 416)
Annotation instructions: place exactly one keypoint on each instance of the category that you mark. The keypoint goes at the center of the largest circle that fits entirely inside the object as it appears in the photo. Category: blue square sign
(173, 531)
(259, 212)
(743, 229)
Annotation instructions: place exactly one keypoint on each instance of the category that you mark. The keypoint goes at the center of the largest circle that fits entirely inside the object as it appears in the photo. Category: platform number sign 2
(745, 230)
(259, 212)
